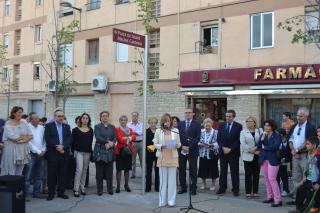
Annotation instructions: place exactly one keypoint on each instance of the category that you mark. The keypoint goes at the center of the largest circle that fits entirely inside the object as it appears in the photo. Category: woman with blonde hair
(249, 137)
(208, 153)
(166, 141)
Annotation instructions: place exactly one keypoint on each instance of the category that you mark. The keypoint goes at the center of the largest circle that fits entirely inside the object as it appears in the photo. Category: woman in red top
(124, 151)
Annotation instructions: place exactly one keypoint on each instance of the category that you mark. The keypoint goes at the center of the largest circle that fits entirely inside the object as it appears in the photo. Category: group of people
(169, 147)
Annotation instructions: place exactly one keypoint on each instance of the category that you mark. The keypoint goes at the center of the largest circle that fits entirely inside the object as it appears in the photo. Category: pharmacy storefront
(263, 92)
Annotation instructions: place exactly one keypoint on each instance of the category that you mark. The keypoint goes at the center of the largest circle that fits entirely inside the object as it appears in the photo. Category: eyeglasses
(299, 131)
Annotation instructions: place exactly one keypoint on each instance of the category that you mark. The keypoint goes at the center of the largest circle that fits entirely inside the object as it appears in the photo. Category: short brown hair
(14, 110)
(232, 112)
(164, 119)
(101, 113)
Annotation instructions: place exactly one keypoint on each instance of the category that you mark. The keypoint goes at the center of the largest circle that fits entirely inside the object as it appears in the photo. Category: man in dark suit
(229, 141)
(190, 131)
(58, 139)
(297, 142)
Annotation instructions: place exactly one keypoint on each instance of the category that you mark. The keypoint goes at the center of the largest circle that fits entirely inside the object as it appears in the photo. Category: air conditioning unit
(52, 86)
(99, 83)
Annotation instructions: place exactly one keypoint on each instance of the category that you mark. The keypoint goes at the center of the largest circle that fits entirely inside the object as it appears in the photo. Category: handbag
(100, 153)
(126, 152)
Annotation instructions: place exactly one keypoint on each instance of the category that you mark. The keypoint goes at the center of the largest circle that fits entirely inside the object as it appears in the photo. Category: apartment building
(208, 54)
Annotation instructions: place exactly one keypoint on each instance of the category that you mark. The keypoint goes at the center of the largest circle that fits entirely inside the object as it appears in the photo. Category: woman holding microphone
(166, 141)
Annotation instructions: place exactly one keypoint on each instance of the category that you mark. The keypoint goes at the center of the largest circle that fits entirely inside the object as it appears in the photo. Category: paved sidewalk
(135, 202)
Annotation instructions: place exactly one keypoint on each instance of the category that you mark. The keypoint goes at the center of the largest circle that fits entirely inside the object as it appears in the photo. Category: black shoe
(194, 193)
(127, 189)
(268, 201)
(50, 197)
(276, 204)
(221, 191)
(182, 191)
(39, 196)
(133, 177)
(63, 196)
(148, 190)
(117, 190)
(100, 193)
(157, 190)
(236, 194)
(291, 203)
(110, 193)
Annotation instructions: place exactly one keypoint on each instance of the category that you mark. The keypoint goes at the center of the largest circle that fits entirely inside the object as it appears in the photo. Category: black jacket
(231, 139)
(52, 138)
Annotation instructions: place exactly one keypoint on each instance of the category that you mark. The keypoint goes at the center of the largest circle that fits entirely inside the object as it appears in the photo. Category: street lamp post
(69, 5)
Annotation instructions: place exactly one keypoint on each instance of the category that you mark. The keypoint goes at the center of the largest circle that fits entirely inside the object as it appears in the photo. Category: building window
(6, 40)
(262, 30)
(66, 11)
(154, 65)
(67, 55)
(122, 52)
(18, 10)
(36, 70)
(156, 9)
(7, 7)
(209, 38)
(122, 1)
(5, 73)
(39, 2)
(93, 51)
(312, 24)
(38, 33)
(155, 38)
(93, 5)
(17, 49)
(16, 79)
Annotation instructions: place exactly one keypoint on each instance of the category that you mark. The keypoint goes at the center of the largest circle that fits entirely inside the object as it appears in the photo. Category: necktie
(228, 128)
(188, 124)
(60, 134)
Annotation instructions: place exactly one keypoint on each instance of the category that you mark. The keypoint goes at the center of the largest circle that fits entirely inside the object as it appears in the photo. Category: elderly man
(297, 143)
(58, 138)
(137, 128)
(38, 150)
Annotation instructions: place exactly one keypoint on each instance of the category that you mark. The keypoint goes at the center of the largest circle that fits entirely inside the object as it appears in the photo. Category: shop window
(214, 108)
(262, 30)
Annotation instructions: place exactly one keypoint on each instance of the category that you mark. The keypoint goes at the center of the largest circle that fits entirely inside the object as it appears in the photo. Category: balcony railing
(93, 5)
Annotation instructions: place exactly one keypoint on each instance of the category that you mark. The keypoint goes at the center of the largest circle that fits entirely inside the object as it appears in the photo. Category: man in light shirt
(297, 142)
(38, 150)
(137, 128)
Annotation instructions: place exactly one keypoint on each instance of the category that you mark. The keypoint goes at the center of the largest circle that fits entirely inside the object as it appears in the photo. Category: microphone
(165, 126)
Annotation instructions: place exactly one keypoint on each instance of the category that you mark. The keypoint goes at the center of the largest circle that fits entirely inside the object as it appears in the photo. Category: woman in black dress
(151, 155)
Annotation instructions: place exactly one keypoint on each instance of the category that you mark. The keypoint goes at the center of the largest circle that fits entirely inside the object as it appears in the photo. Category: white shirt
(137, 129)
(37, 144)
(298, 140)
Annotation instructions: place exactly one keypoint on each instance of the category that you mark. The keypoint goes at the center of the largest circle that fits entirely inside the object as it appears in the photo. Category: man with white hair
(297, 142)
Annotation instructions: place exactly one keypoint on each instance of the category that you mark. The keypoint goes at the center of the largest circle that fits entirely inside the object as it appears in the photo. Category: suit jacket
(248, 142)
(52, 138)
(193, 132)
(269, 152)
(310, 130)
(231, 139)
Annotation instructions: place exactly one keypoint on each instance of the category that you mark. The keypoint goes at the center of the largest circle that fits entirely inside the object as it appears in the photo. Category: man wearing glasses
(58, 138)
(190, 131)
(297, 143)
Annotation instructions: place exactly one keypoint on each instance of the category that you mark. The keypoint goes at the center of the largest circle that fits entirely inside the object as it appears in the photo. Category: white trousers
(168, 186)
(82, 161)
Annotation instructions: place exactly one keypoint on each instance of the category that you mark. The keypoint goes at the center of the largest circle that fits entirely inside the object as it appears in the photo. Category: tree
(57, 68)
(305, 28)
(146, 9)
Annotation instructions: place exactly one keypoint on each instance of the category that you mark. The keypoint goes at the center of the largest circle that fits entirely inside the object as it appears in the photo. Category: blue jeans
(36, 165)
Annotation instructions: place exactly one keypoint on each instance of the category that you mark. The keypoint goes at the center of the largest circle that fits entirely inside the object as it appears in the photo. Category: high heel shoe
(127, 188)
(118, 190)
(76, 194)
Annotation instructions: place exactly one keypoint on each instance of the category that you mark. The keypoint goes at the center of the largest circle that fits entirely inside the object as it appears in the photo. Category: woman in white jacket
(250, 156)
(166, 141)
